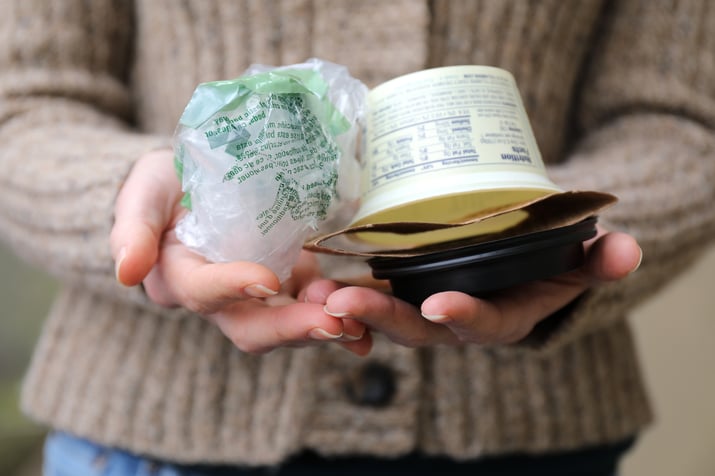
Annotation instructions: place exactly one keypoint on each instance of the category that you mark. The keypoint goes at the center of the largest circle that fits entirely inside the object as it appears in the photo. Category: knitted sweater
(621, 96)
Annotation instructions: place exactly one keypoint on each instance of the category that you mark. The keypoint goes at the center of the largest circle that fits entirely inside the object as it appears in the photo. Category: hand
(454, 317)
(243, 299)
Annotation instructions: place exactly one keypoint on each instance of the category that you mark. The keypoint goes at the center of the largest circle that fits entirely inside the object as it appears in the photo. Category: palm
(245, 300)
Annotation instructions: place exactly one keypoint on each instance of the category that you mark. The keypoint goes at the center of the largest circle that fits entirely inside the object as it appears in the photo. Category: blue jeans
(66, 455)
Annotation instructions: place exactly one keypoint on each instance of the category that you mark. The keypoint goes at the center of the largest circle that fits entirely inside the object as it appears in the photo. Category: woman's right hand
(245, 300)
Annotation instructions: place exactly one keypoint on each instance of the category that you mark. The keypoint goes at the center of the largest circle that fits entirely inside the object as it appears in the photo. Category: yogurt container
(454, 192)
(443, 144)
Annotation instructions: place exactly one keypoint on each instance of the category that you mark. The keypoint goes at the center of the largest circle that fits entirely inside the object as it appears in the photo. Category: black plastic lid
(486, 267)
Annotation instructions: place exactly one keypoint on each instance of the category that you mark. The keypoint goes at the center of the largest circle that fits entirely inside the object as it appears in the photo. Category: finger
(319, 290)
(257, 328)
(204, 287)
(353, 330)
(305, 271)
(360, 347)
(474, 320)
(612, 257)
(400, 321)
(143, 210)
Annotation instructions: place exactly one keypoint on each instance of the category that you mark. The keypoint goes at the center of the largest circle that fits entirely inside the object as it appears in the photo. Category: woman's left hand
(453, 317)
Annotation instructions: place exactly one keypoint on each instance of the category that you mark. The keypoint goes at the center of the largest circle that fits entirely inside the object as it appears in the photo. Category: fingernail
(321, 334)
(437, 318)
(640, 260)
(118, 263)
(335, 314)
(259, 291)
(351, 338)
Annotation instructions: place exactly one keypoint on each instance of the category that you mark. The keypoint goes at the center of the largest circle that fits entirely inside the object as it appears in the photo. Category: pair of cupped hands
(249, 305)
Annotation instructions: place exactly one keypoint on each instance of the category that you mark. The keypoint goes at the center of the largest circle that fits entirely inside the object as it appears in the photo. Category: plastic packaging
(265, 158)
(487, 267)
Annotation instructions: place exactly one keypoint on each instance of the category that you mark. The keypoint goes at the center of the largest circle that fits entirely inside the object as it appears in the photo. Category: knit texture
(621, 96)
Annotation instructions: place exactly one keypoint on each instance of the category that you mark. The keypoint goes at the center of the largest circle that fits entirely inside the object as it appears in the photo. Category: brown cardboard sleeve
(544, 213)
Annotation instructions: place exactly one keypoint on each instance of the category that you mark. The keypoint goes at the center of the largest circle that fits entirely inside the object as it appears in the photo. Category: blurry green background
(25, 297)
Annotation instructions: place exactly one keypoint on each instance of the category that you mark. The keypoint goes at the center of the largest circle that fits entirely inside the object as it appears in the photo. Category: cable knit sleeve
(647, 112)
(65, 114)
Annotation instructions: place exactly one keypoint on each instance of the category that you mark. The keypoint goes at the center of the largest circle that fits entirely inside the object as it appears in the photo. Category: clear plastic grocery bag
(265, 158)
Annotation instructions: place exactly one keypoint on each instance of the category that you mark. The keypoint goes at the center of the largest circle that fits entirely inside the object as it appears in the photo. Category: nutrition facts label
(446, 118)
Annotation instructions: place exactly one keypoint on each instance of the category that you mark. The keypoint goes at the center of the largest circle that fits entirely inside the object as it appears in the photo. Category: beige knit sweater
(622, 99)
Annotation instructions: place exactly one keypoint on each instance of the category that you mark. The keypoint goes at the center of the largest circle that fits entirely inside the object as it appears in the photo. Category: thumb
(144, 209)
(613, 256)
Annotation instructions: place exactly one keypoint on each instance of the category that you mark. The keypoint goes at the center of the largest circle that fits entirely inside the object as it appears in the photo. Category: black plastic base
(481, 269)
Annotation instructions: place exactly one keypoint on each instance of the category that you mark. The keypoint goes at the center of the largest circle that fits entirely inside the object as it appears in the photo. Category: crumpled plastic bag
(265, 158)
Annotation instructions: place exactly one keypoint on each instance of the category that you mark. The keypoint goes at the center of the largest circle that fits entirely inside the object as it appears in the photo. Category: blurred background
(25, 295)
(674, 331)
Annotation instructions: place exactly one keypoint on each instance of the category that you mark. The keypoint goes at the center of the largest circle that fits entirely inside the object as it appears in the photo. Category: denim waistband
(66, 455)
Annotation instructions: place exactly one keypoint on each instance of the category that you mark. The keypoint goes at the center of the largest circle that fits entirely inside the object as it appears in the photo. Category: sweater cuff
(58, 194)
